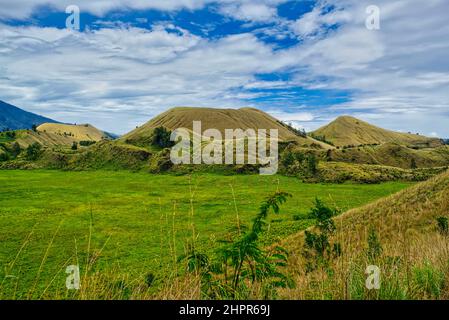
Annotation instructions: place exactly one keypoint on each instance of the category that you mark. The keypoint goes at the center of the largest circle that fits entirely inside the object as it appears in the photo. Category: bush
(86, 143)
(33, 151)
(4, 156)
(318, 249)
(74, 145)
(161, 138)
(443, 225)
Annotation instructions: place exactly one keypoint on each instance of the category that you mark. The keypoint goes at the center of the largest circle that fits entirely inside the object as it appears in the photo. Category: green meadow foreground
(132, 227)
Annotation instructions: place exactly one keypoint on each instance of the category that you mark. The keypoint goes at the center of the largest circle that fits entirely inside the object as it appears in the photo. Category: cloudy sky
(305, 62)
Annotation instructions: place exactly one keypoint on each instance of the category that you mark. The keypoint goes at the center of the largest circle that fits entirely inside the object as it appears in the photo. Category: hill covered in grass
(405, 235)
(393, 154)
(14, 118)
(349, 131)
(81, 132)
(220, 119)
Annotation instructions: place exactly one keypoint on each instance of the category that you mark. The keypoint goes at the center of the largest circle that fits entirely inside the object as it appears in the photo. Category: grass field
(140, 222)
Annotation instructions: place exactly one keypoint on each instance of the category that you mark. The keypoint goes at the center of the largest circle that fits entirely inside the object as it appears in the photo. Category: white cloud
(252, 11)
(126, 71)
(397, 76)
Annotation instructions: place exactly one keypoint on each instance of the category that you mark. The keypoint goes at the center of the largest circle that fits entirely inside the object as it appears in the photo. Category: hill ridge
(350, 131)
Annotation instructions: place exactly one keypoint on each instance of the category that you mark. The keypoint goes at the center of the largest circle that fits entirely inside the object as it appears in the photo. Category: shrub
(318, 249)
(33, 151)
(161, 138)
(443, 225)
(74, 145)
(86, 143)
(4, 156)
(15, 150)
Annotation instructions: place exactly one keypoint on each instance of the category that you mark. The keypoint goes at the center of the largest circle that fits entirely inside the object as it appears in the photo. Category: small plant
(318, 249)
(374, 245)
(242, 261)
(149, 279)
(443, 226)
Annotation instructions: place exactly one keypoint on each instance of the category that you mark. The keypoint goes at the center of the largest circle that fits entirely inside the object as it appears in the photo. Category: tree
(312, 164)
(15, 150)
(288, 159)
(75, 145)
(34, 127)
(33, 151)
(161, 138)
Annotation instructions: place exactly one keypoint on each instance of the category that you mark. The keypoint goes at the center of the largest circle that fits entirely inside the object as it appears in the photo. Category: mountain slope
(80, 132)
(414, 256)
(347, 131)
(15, 118)
(393, 154)
(221, 119)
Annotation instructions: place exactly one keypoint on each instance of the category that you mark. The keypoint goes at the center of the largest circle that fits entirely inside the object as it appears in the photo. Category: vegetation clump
(318, 248)
(242, 262)
(161, 138)
(33, 151)
(443, 226)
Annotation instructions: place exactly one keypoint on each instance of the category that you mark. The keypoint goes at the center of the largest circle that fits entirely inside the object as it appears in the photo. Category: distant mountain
(220, 119)
(15, 118)
(349, 131)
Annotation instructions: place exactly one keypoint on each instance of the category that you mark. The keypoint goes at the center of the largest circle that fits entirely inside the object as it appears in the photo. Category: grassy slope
(392, 154)
(80, 132)
(221, 119)
(347, 130)
(415, 258)
(136, 213)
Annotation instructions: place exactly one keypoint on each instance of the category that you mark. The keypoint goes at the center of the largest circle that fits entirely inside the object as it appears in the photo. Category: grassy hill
(393, 154)
(349, 131)
(82, 132)
(412, 251)
(221, 119)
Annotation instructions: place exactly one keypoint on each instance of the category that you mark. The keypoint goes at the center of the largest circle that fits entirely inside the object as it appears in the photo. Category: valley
(141, 223)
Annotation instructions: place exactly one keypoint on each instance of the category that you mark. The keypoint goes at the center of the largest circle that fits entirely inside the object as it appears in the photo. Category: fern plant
(242, 261)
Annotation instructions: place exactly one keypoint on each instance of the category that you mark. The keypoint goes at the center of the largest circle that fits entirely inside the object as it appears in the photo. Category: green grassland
(137, 223)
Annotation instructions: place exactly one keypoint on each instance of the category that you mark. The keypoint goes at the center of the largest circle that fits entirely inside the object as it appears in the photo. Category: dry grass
(415, 257)
(220, 119)
(80, 132)
(347, 130)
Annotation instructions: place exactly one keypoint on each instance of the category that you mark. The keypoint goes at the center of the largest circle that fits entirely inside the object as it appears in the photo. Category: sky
(304, 62)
